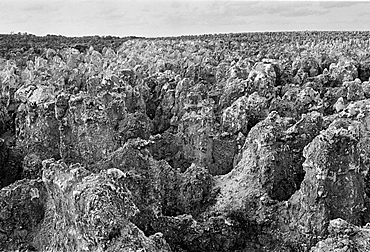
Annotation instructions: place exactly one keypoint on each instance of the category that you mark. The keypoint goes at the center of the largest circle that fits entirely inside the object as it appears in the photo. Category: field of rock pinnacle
(240, 142)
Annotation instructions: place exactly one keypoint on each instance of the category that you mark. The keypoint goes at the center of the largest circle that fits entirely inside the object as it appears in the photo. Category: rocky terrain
(244, 142)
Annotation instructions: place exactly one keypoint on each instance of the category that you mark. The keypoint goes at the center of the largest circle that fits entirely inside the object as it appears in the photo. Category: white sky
(153, 18)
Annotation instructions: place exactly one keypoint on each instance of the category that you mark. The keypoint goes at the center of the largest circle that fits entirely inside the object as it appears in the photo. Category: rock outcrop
(22, 210)
(336, 165)
(308, 65)
(344, 236)
(88, 126)
(10, 164)
(191, 144)
(244, 113)
(37, 128)
(87, 211)
(262, 79)
(344, 70)
(32, 167)
(270, 166)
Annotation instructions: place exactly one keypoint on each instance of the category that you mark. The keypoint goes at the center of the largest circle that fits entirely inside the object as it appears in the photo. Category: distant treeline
(32, 45)
(28, 46)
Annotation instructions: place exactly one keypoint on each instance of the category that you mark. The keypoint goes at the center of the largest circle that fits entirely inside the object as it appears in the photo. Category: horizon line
(176, 36)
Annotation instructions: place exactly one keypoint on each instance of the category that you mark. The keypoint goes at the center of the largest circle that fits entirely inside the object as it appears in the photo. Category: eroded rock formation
(196, 146)
(90, 212)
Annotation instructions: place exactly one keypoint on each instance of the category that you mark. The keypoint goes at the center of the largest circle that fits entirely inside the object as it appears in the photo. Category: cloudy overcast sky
(178, 17)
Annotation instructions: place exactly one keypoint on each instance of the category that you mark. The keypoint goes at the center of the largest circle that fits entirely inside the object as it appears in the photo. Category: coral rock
(22, 209)
(31, 167)
(89, 127)
(90, 212)
(333, 186)
(262, 79)
(344, 236)
(38, 129)
(10, 164)
(270, 168)
(244, 113)
(344, 70)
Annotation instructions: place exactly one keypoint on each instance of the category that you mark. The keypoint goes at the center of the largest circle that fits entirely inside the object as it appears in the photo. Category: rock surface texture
(90, 212)
(227, 143)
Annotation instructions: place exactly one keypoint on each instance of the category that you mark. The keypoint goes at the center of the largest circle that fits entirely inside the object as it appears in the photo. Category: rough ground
(188, 145)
